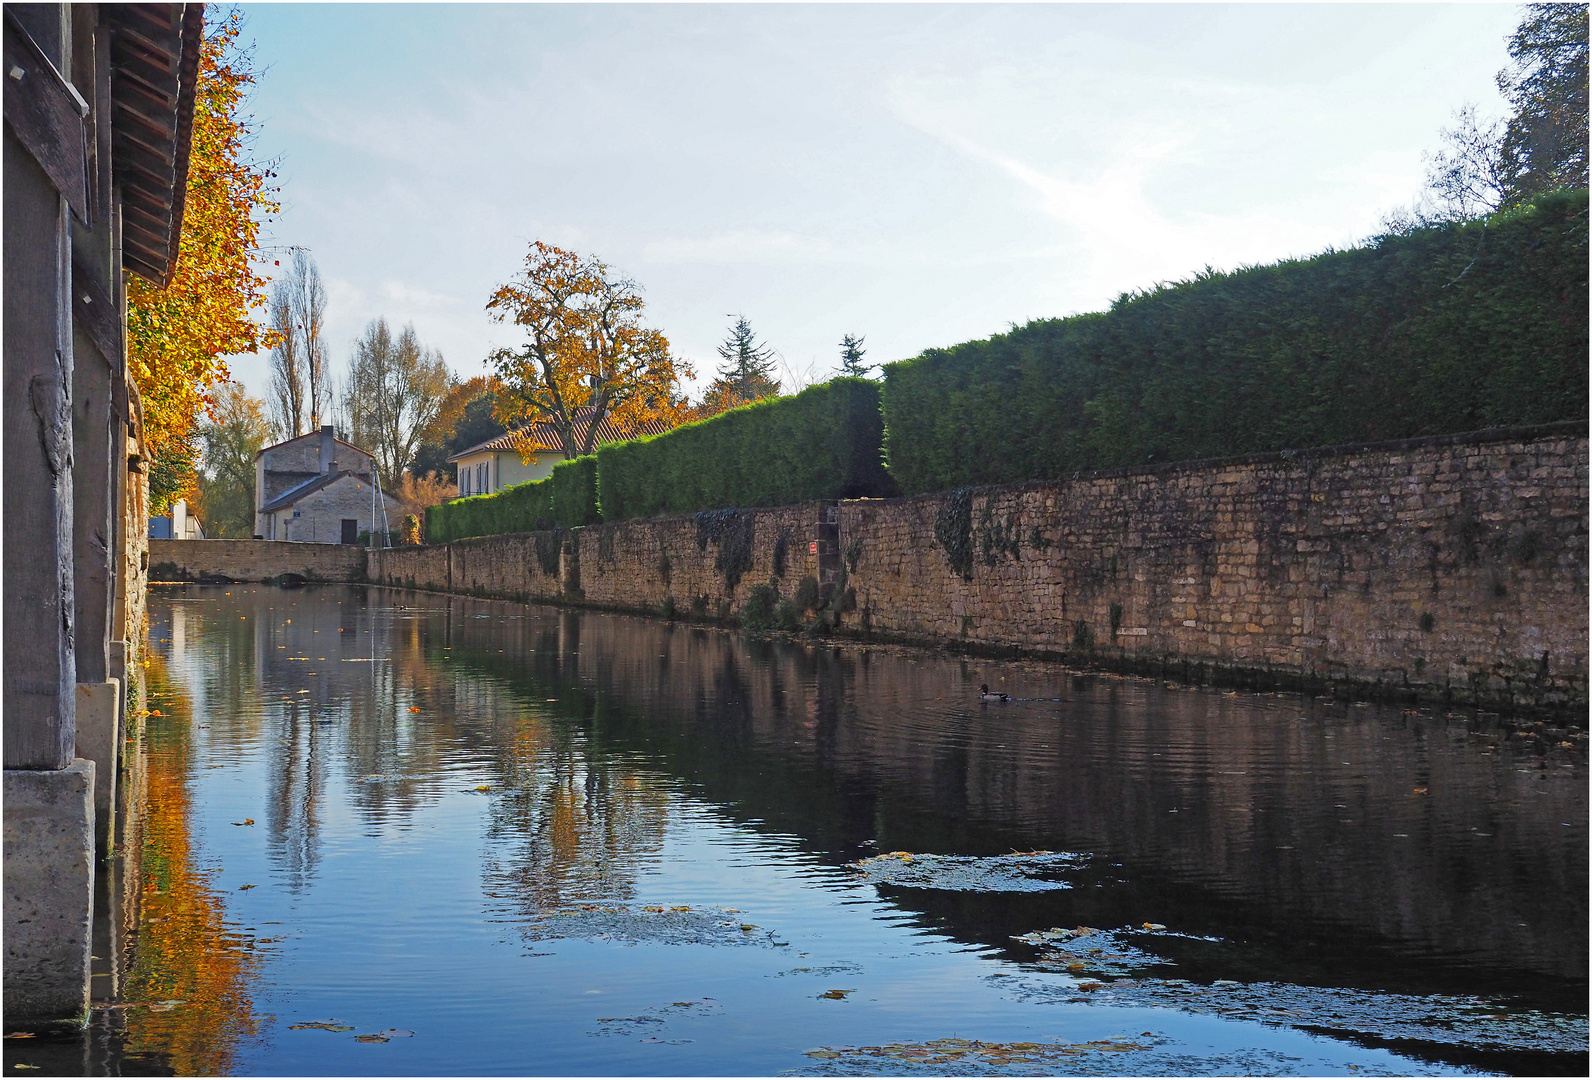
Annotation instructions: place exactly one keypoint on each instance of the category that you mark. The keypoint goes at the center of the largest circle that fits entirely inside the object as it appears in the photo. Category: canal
(395, 833)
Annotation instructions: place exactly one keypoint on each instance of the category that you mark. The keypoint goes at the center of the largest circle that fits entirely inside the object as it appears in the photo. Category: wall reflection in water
(1325, 844)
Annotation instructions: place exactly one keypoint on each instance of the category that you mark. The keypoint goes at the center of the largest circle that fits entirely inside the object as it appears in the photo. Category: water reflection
(435, 777)
(191, 978)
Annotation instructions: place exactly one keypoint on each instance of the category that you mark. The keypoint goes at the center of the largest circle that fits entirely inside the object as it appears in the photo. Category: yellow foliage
(587, 349)
(177, 336)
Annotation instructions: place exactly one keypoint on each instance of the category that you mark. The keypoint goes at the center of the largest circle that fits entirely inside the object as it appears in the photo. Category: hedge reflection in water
(1309, 843)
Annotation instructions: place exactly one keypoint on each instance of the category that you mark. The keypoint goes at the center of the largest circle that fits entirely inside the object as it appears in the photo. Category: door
(350, 531)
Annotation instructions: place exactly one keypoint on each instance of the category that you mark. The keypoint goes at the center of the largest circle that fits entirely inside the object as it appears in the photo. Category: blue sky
(921, 175)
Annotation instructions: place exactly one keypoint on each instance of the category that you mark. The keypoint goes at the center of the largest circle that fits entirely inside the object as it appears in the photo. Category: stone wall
(1446, 566)
(1451, 568)
(253, 560)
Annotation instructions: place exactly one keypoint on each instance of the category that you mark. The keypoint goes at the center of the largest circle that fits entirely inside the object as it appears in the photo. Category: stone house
(318, 489)
(493, 465)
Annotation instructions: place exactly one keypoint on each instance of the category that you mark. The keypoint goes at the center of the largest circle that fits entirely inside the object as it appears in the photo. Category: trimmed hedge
(1438, 331)
(823, 443)
(565, 499)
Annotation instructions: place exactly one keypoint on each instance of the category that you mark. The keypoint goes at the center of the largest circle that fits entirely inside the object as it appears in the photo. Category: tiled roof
(544, 436)
(314, 435)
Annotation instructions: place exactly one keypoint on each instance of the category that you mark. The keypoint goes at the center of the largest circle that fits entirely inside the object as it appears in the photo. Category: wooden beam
(46, 113)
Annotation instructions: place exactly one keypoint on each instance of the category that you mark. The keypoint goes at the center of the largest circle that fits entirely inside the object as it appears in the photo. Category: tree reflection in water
(192, 975)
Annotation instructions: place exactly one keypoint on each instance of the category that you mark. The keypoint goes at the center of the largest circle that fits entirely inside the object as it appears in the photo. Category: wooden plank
(46, 114)
(95, 312)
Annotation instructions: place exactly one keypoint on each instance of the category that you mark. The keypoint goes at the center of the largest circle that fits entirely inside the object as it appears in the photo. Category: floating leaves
(384, 1036)
(321, 1025)
(1020, 871)
(970, 1055)
(651, 1019)
(624, 924)
(836, 995)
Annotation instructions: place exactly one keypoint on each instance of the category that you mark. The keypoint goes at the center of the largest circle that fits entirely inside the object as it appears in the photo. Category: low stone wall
(1452, 568)
(253, 560)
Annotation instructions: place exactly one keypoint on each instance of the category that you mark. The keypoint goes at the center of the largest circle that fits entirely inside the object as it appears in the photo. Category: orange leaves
(177, 336)
(586, 348)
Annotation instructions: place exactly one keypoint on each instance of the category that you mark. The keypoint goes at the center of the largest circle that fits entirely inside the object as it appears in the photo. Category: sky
(919, 175)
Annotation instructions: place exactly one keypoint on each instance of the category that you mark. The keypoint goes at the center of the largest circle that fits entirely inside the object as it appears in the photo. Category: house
(318, 489)
(99, 107)
(177, 525)
(496, 464)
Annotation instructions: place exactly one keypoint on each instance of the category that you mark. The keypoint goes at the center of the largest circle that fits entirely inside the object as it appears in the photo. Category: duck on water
(986, 694)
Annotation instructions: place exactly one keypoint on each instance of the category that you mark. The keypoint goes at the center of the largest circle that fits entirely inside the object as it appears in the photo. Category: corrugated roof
(544, 436)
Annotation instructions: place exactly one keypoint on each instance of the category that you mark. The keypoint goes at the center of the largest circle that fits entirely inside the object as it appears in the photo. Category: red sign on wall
(812, 548)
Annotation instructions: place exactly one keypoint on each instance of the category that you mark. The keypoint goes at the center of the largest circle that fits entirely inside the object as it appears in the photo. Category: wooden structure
(98, 104)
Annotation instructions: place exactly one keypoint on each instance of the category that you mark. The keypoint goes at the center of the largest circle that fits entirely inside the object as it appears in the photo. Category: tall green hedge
(823, 443)
(1437, 331)
(565, 499)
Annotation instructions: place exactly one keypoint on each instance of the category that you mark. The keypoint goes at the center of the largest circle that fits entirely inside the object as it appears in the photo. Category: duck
(986, 694)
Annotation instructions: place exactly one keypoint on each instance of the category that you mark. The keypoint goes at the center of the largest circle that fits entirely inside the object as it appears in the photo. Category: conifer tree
(851, 354)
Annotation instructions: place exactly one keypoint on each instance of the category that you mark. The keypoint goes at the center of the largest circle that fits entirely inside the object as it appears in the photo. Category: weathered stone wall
(253, 560)
(1445, 568)
(1452, 565)
(703, 565)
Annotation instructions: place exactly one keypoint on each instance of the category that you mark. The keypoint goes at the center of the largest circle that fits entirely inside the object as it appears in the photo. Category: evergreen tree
(851, 354)
(747, 374)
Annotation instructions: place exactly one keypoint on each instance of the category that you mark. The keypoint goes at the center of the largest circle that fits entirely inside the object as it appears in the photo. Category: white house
(496, 464)
(318, 489)
(177, 525)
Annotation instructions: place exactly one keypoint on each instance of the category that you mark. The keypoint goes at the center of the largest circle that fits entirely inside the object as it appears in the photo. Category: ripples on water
(395, 833)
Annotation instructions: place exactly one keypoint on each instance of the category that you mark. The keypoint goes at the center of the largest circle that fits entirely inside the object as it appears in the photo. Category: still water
(397, 833)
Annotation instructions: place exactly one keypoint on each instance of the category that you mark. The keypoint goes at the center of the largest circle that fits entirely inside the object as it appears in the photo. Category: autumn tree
(464, 419)
(177, 336)
(395, 387)
(587, 353)
(232, 435)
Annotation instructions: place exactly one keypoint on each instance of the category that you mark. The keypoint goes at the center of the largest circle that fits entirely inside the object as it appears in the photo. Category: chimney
(326, 449)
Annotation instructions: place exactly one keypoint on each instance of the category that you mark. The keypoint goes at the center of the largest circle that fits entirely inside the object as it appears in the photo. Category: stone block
(49, 893)
(99, 728)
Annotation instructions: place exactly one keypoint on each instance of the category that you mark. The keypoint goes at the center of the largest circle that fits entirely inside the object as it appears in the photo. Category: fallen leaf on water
(20, 1035)
(19, 1065)
(414, 708)
(1420, 791)
(748, 927)
(242, 887)
(836, 995)
(245, 821)
(370, 1038)
(483, 787)
(826, 1054)
(1090, 986)
(1154, 926)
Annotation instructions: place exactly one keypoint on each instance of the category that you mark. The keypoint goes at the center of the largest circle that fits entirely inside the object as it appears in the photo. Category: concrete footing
(49, 893)
(99, 737)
